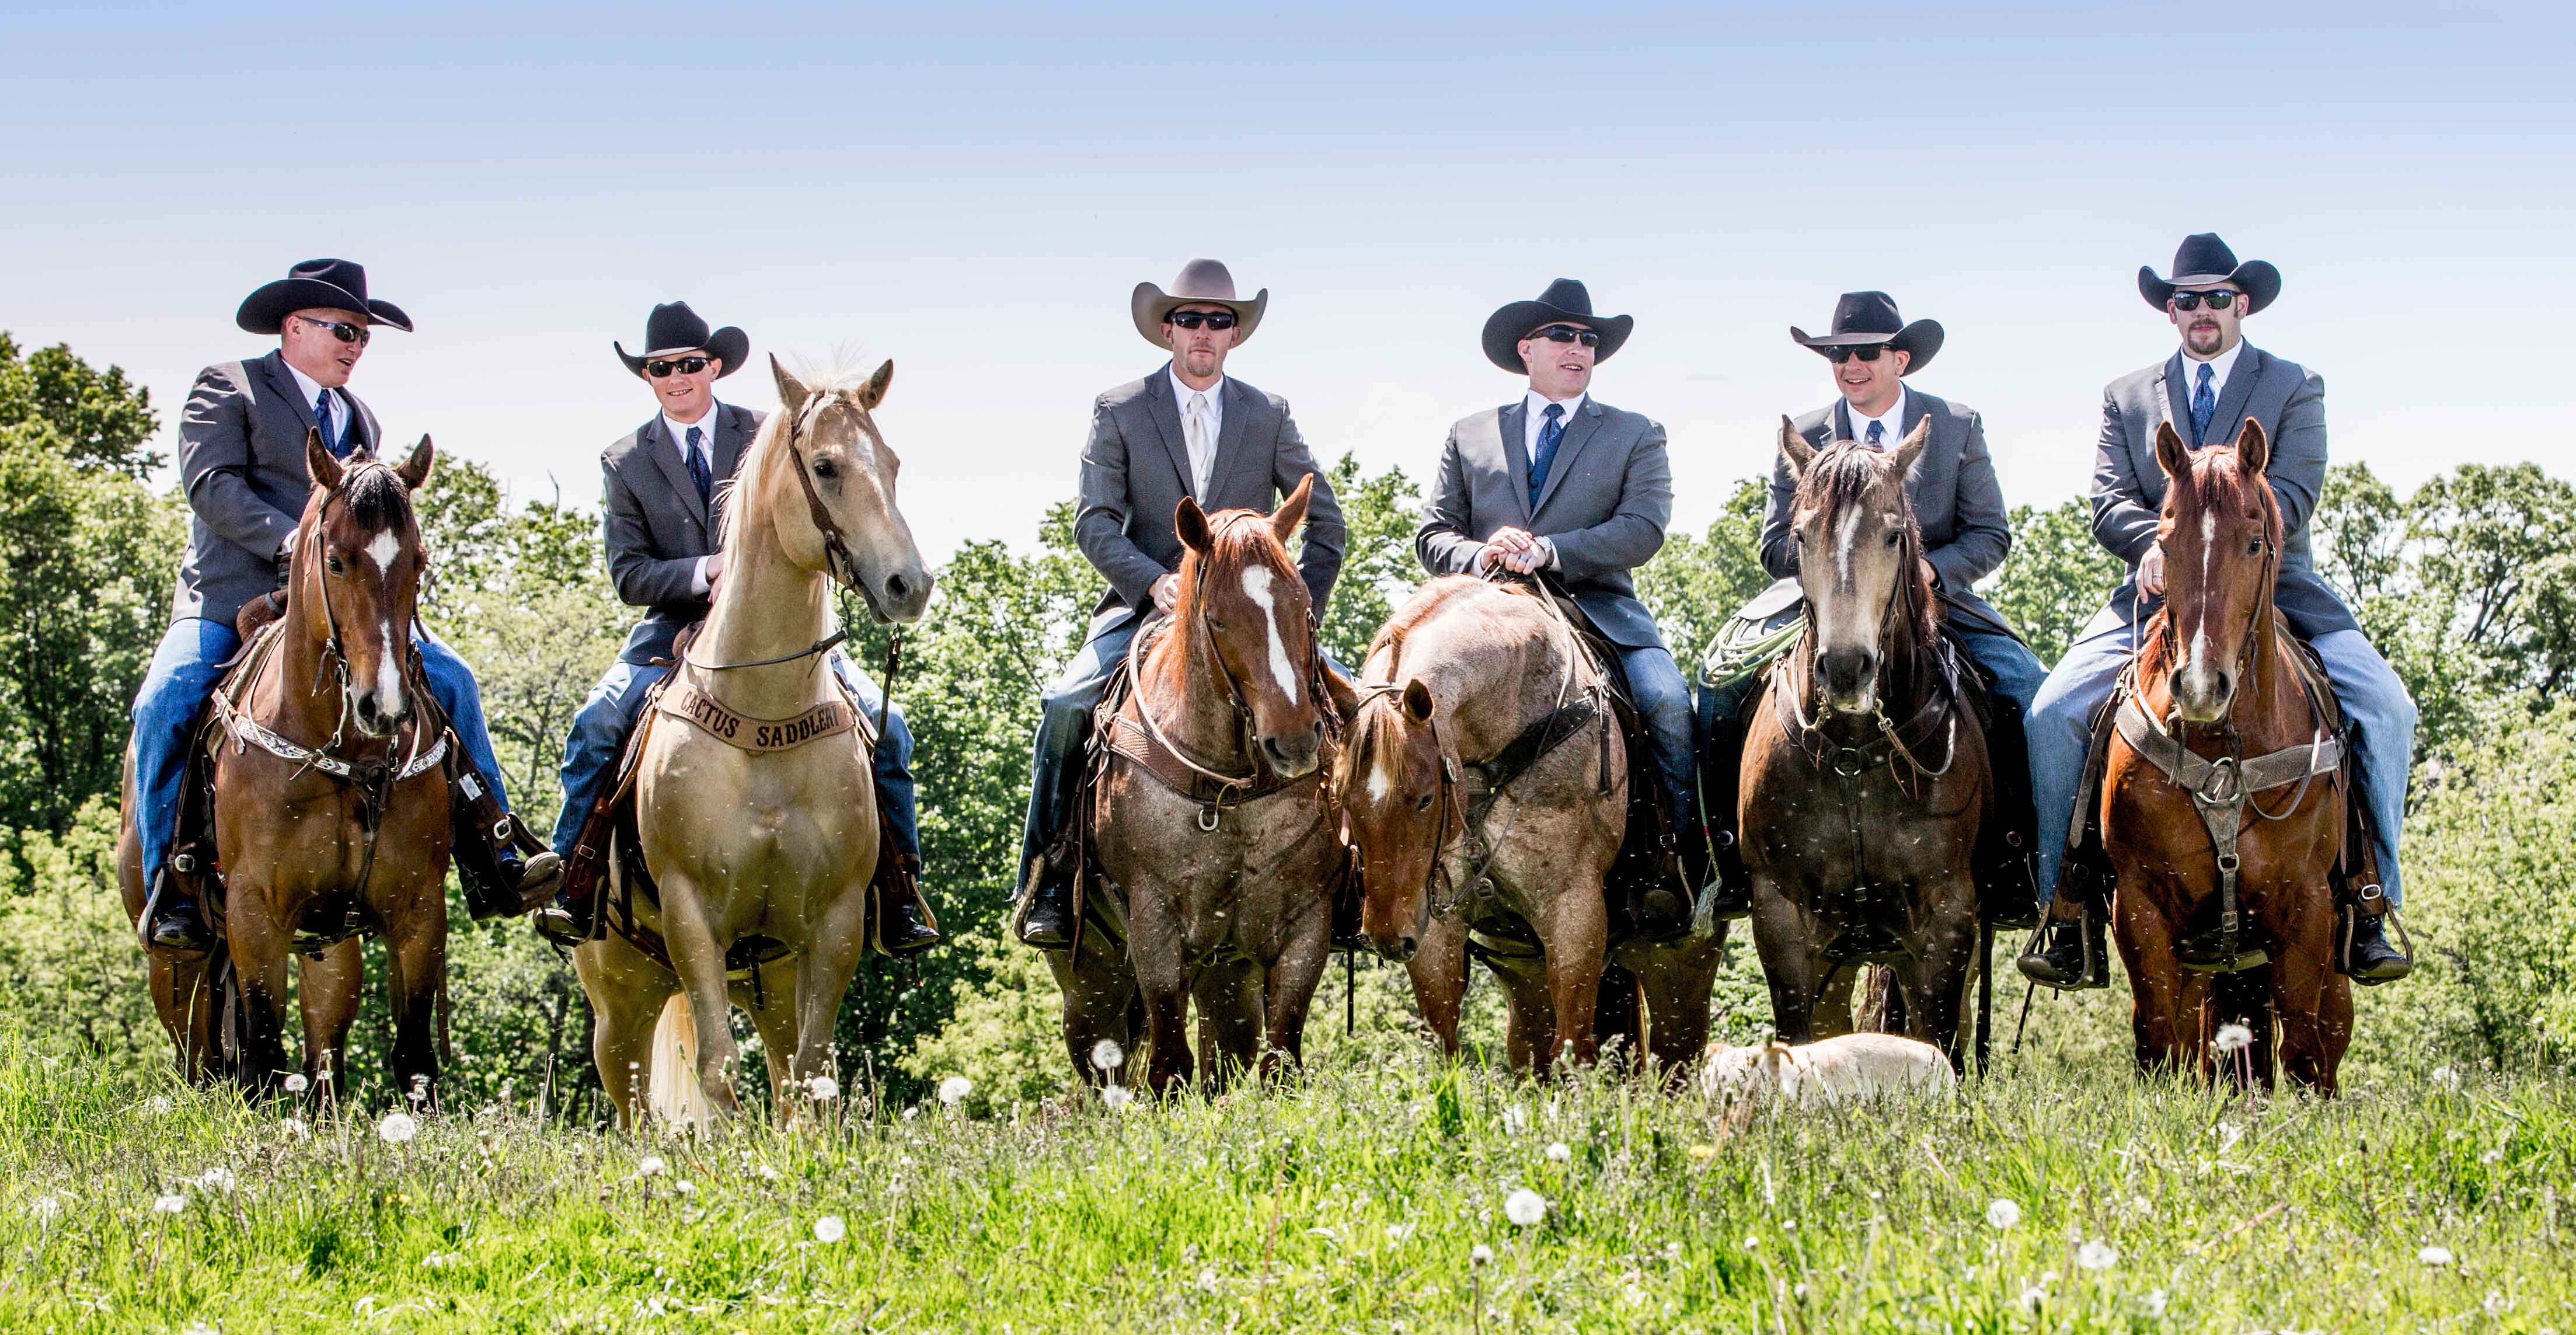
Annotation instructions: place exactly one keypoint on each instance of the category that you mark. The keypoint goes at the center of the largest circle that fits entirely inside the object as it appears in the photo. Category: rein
(837, 561)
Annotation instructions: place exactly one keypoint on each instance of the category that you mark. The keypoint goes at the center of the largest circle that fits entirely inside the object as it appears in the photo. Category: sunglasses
(1867, 352)
(2218, 301)
(1193, 319)
(1566, 333)
(683, 365)
(346, 333)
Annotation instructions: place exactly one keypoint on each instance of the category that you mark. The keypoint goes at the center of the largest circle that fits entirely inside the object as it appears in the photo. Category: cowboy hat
(1564, 302)
(1863, 318)
(1203, 283)
(673, 329)
(336, 285)
(2205, 261)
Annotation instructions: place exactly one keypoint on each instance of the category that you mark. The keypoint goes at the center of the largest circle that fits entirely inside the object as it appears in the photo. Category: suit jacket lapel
(2230, 415)
(282, 382)
(1578, 433)
(1916, 409)
(733, 435)
(1513, 421)
(2177, 399)
(1841, 423)
(666, 456)
(1239, 406)
(1166, 412)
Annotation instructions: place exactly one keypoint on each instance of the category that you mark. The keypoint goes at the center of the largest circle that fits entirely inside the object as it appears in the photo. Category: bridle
(1235, 694)
(1808, 734)
(1449, 800)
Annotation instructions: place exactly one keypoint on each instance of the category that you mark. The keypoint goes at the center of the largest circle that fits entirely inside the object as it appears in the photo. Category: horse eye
(336, 567)
(1893, 536)
(2254, 548)
(825, 468)
(1422, 803)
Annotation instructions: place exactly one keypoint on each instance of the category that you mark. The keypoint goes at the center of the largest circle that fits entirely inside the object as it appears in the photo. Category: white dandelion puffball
(650, 1165)
(218, 1178)
(823, 1089)
(397, 1128)
(2154, 1302)
(2437, 1255)
(1480, 1254)
(2096, 1256)
(685, 1187)
(954, 1089)
(2231, 1038)
(169, 1202)
(297, 1084)
(159, 1105)
(1558, 1152)
(294, 1126)
(2003, 1213)
(1117, 1096)
(1106, 1055)
(829, 1229)
(768, 1174)
(1525, 1208)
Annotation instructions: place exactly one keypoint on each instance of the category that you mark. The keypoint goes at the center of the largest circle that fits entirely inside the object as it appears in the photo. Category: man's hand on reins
(2151, 572)
(1167, 593)
(1515, 550)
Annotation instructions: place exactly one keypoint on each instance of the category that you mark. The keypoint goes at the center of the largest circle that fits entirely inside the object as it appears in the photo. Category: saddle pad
(691, 702)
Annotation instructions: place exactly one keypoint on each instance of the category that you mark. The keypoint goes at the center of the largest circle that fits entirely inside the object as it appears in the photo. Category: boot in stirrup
(2068, 953)
(2367, 956)
(172, 923)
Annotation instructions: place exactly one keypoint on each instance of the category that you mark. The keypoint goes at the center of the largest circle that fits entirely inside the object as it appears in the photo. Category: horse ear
(415, 470)
(1292, 512)
(1417, 700)
(1190, 522)
(792, 392)
(873, 393)
(2171, 455)
(1795, 449)
(1911, 448)
(318, 463)
(2253, 448)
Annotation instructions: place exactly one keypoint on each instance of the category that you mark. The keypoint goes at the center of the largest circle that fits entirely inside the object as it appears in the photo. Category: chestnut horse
(2217, 717)
(1215, 830)
(1485, 789)
(746, 838)
(331, 806)
(1865, 779)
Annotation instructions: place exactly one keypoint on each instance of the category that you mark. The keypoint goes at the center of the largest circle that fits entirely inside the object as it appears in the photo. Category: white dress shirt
(2220, 367)
(344, 419)
(1536, 422)
(1891, 424)
(679, 432)
(1203, 452)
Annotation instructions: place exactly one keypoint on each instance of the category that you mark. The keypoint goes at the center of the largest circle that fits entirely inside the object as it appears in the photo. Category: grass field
(1370, 1196)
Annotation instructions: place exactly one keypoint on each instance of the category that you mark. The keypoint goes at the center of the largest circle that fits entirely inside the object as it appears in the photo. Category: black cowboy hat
(2205, 261)
(338, 285)
(1565, 301)
(1864, 318)
(673, 329)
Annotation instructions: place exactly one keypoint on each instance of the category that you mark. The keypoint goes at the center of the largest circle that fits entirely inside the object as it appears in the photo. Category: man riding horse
(1956, 500)
(242, 462)
(1185, 430)
(1560, 482)
(660, 484)
(2207, 390)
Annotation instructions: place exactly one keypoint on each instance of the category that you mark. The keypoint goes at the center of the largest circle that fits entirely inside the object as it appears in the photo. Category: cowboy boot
(2367, 955)
(904, 923)
(172, 923)
(562, 921)
(1046, 917)
(2071, 951)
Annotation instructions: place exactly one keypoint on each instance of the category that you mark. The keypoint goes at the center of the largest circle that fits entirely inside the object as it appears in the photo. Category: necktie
(1878, 435)
(1550, 432)
(1202, 453)
(2204, 405)
(337, 442)
(698, 470)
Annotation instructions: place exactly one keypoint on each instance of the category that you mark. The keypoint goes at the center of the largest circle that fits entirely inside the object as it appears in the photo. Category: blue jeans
(2373, 698)
(181, 679)
(1064, 717)
(1664, 701)
(607, 719)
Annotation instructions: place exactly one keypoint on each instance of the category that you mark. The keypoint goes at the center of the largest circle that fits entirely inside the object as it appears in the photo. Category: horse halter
(1234, 690)
(1847, 761)
(335, 655)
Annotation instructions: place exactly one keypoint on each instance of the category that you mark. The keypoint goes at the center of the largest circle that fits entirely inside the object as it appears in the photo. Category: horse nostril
(896, 586)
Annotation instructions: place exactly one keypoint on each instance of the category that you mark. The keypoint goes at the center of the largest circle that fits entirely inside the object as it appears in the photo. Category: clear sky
(972, 190)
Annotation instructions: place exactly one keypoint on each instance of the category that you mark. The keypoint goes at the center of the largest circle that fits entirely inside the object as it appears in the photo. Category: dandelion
(1117, 1096)
(44, 1209)
(1525, 1208)
(2437, 1255)
(823, 1089)
(685, 1187)
(2032, 1297)
(1703, 1151)
(912, 1112)
(1398, 1232)
(2446, 1077)
(768, 1174)
(650, 1165)
(1480, 1254)
(954, 1089)
(397, 1128)
(294, 1126)
(2003, 1213)
(1106, 1055)
(159, 1105)
(1515, 1119)
(217, 1178)
(1207, 1279)
(1558, 1153)
(2154, 1302)
(2096, 1256)
(2232, 1038)
(830, 1229)
(169, 1202)
(297, 1084)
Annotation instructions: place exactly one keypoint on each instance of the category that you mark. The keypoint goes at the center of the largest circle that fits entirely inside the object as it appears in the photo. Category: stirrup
(2094, 969)
(2348, 927)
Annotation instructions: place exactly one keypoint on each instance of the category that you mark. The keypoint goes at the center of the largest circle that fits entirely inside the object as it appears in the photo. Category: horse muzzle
(1850, 679)
(379, 713)
(1294, 755)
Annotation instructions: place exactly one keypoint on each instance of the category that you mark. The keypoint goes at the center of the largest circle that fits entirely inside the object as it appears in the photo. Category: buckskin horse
(328, 768)
(1212, 820)
(2221, 902)
(1485, 788)
(1864, 776)
(755, 806)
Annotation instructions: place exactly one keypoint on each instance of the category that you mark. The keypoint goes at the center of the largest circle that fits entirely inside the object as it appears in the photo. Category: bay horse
(755, 798)
(1485, 790)
(1864, 775)
(2220, 712)
(1213, 821)
(331, 806)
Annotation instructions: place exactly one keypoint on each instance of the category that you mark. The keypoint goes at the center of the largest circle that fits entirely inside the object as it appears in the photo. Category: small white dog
(1848, 1066)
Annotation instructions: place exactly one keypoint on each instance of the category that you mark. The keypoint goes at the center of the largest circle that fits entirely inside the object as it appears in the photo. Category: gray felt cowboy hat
(2205, 261)
(673, 329)
(1864, 318)
(336, 285)
(1564, 302)
(1201, 283)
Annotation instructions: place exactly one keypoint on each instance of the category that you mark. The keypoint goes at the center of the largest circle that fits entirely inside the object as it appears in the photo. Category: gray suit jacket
(1136, 469)
(2129, 488)
(1957, 502)
(241, 462)
(1607, 501)
(656, 528)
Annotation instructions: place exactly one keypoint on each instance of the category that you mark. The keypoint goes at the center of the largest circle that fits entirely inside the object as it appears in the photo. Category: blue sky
(973, 189)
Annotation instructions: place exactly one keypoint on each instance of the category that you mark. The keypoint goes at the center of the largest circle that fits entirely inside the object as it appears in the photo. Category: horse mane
(770, 443)
(376, 497)
(1841, 476)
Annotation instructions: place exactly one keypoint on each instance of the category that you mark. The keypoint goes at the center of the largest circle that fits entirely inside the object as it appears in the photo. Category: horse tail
(672, 1078)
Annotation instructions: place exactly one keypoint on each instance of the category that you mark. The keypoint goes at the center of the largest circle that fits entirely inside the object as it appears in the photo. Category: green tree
(2056, 577)
(1379, 570)
(1695, 583)
(94, 418)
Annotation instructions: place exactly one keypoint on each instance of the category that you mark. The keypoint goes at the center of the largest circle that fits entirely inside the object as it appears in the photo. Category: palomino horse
(331, 805)
(2219, 716)
(1214, 825)
(1485, 788)
(1864, 772)
(755, 802)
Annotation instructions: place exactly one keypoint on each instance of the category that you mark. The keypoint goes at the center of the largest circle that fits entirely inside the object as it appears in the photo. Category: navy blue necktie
(1551, 431)
(1877, 435)
(337, 442)
(698, 471)
(2204, 405)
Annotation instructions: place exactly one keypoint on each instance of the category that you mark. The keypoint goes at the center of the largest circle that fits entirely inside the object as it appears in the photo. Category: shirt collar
(679, 431)
(2220, 367)
(1894, 417)
(1538, 405)
(312, 388)
(1181, 393)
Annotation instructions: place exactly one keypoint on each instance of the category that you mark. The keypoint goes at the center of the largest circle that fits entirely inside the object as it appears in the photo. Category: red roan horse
(2216, 672)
